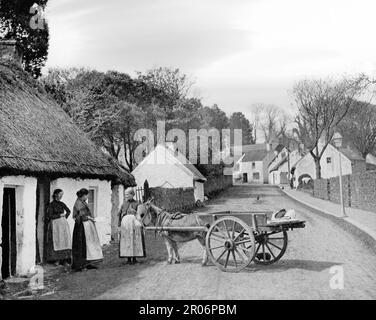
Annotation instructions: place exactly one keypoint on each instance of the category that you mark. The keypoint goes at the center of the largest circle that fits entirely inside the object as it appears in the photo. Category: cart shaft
(178, 229)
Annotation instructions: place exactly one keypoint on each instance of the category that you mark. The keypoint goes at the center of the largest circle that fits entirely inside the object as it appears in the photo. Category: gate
(142, 194)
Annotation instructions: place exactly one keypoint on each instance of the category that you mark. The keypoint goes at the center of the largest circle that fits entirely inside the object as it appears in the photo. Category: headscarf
(129, 191)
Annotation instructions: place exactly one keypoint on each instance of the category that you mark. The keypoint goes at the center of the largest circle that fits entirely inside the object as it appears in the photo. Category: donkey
(151, 215)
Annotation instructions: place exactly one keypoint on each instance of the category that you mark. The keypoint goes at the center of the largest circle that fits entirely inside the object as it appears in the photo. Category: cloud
(240, 52)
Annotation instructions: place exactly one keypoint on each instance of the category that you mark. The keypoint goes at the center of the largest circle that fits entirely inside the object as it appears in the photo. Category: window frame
(95, 201)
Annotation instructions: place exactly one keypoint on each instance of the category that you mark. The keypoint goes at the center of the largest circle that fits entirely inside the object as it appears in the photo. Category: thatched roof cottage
(41, 149)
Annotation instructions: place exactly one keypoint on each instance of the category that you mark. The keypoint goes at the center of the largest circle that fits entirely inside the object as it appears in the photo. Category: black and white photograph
(208, 151)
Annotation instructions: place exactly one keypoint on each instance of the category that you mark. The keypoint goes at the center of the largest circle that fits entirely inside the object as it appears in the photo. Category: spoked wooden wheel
(270, 247)
(230, 244)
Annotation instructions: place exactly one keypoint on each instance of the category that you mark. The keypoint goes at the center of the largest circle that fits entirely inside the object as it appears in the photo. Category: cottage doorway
(8, 239)
(245, 177)
(43, 199)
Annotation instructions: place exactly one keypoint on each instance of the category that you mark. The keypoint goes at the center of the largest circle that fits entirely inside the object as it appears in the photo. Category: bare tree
(359, 127)
(256, 110)
(272, 120)
(322, 105)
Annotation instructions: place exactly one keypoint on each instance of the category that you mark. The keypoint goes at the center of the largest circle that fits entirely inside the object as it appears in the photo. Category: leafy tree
(239, 121)
(172, 82)
(16, 23)
(109, 106)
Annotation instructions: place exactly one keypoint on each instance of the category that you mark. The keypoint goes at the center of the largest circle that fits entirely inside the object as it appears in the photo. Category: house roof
(38, 137)
(181, 162)
(251, 147)
(284, 160)
(351, 154)
(255, 155)
(279, 148)
(197, 174)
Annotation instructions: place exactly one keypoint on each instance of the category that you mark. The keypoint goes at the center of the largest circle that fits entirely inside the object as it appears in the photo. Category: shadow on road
(111, 273)
(309, 265)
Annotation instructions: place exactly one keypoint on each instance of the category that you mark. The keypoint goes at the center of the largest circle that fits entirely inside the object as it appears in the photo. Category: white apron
(61, 234)
(93, 246)
(131, 237)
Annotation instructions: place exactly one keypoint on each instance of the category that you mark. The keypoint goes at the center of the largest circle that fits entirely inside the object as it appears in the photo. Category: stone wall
(363, 190)
(215, 185)
(359, 190)
(174, 199)
(321, 188)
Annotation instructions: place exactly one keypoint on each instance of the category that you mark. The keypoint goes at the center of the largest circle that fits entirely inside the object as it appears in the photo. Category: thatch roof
(38, 138)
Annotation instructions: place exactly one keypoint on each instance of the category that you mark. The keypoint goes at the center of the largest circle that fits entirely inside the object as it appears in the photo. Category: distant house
(371, 162)
(282, 164)
(252, 165)
(40, 150)
(167, 168)
(351, 162)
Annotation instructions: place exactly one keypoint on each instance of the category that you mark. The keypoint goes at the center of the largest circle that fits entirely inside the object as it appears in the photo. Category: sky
(238, 52)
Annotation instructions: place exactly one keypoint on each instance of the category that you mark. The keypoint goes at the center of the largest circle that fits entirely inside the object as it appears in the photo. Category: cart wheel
(230, 244)
(270, 247)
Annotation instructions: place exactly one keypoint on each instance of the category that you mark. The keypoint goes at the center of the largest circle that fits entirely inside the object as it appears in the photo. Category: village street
(304, 272)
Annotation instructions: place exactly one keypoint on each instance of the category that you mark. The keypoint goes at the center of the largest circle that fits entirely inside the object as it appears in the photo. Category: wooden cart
(236, 238)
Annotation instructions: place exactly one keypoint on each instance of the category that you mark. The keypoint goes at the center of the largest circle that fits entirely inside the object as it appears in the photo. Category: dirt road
(315, 259)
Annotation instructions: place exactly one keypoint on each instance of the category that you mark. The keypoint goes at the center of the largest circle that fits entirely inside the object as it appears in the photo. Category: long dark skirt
(79, 248)
(51, 254)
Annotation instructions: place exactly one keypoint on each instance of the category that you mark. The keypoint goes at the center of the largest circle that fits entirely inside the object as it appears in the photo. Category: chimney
(9, 51)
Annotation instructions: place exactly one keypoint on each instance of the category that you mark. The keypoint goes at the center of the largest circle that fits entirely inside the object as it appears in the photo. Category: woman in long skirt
(86, 248)
(58, 242)
(131, 240)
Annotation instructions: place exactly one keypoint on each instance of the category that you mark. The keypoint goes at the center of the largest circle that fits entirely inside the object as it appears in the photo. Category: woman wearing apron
(86, 248)
(58, 242)
(131, 242)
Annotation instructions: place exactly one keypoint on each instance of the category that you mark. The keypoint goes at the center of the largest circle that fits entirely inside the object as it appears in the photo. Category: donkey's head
(146, 213)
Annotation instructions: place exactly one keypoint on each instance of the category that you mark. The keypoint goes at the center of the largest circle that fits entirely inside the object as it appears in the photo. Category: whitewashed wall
(104, 204)
(166, 175)
(25, 219)
(307, 165)
(199, 191)
(162, 169)
(275, 177)
(246, 167)
(117, 199)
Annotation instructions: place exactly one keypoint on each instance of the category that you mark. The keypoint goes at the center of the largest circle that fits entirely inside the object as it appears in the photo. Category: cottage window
(92, 201)
(253, 165)
(256, 176)
(328, 160)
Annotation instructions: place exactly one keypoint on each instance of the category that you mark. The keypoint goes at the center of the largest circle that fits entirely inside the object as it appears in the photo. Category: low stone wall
(174, 199)
(359, 190)
(363, 190)
(320, 189)
(218, 184)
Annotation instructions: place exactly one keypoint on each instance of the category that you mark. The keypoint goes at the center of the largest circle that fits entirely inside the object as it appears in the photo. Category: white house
(167, 168)
(282, 164)
(351, 162)
(41, 150)
(252, 166)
